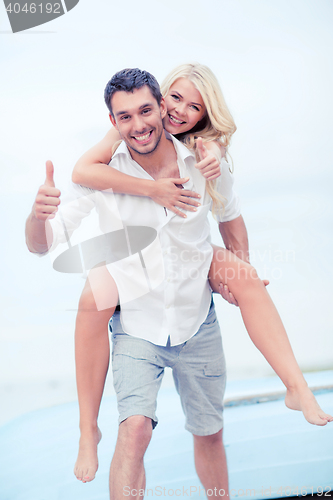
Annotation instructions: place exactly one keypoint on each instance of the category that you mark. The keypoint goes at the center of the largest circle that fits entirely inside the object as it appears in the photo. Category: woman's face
(185, 107)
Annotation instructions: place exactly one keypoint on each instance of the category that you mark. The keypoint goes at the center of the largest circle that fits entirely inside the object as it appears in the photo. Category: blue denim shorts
(198, 368)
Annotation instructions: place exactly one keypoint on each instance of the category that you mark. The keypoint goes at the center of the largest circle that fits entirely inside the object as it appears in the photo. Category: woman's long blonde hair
(216, 125)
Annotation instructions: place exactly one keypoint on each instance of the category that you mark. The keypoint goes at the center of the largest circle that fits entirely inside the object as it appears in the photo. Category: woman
(195, 107)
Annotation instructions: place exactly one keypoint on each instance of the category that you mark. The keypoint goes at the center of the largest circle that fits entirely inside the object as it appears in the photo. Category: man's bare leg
(127, 473)
(266, 330)
(92, 352)
(211, 464)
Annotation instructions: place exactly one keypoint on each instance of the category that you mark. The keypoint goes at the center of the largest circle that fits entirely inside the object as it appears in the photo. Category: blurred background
(274, 63)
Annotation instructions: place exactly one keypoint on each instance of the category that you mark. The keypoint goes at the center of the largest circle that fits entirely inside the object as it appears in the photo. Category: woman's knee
(227, 267)
(247, 273)
(243, 280)
(87, 301)
(240, 276)
(89, 315)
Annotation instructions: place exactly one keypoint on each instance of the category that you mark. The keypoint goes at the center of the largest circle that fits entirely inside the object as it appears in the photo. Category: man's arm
(35, 235)
(38, 234)
(234, 235)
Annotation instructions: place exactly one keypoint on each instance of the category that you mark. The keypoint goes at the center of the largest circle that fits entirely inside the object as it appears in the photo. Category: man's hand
(44, 207)
(168, 194)
(47, 199)
(228, 296)
(208, 165)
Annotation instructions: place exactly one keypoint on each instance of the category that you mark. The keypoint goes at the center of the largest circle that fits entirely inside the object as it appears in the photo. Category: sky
(273, 60)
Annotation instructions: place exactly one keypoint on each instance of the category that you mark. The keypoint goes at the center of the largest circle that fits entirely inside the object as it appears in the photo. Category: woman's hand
(169, 194)
(209, 164)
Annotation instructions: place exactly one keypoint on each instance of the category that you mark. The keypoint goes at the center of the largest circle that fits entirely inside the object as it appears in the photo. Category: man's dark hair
(129, 80)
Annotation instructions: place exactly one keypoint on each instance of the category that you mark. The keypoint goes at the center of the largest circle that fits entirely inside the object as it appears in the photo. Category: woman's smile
(175, 121)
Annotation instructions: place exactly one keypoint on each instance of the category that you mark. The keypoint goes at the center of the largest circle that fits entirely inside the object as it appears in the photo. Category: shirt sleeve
(75, 206)
(225, 187)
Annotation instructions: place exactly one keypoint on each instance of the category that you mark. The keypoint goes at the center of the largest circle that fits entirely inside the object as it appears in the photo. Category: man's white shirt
(163, 287)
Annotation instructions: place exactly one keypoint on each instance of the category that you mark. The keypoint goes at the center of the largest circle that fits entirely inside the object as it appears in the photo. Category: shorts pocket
(215, 368)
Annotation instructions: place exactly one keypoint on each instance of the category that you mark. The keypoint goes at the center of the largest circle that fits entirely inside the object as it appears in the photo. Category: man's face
(138, 118)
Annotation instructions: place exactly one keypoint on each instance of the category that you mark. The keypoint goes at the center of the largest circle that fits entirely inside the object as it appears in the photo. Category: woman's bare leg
(265, 329)
(92, 351)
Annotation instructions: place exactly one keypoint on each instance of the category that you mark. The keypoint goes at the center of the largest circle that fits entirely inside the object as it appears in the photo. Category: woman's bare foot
(303, 400)
(87, 461)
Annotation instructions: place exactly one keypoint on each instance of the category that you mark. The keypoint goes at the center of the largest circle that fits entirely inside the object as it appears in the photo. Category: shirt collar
(182, 151)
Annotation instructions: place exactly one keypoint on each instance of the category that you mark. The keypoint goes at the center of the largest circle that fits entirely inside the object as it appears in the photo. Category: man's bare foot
(87, 461)
(303, 400)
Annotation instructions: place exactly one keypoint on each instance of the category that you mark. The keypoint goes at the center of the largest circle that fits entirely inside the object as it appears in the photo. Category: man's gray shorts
(198, 368)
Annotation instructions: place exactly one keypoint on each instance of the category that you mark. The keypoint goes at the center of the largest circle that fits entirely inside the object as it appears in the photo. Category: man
(169, 324)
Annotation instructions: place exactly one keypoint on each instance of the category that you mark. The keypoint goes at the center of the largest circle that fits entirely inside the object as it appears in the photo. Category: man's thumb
(49, 174)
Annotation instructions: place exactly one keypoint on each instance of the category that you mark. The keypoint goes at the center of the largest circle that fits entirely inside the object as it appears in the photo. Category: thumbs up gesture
(47, 199)
(209, 164)
(201, 149)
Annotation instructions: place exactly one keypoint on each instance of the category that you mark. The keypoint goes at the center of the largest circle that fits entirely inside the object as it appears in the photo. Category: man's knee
(135, 433)
(209, 441)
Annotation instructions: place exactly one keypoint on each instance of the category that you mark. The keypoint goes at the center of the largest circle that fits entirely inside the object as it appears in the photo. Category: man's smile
(144, 138)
